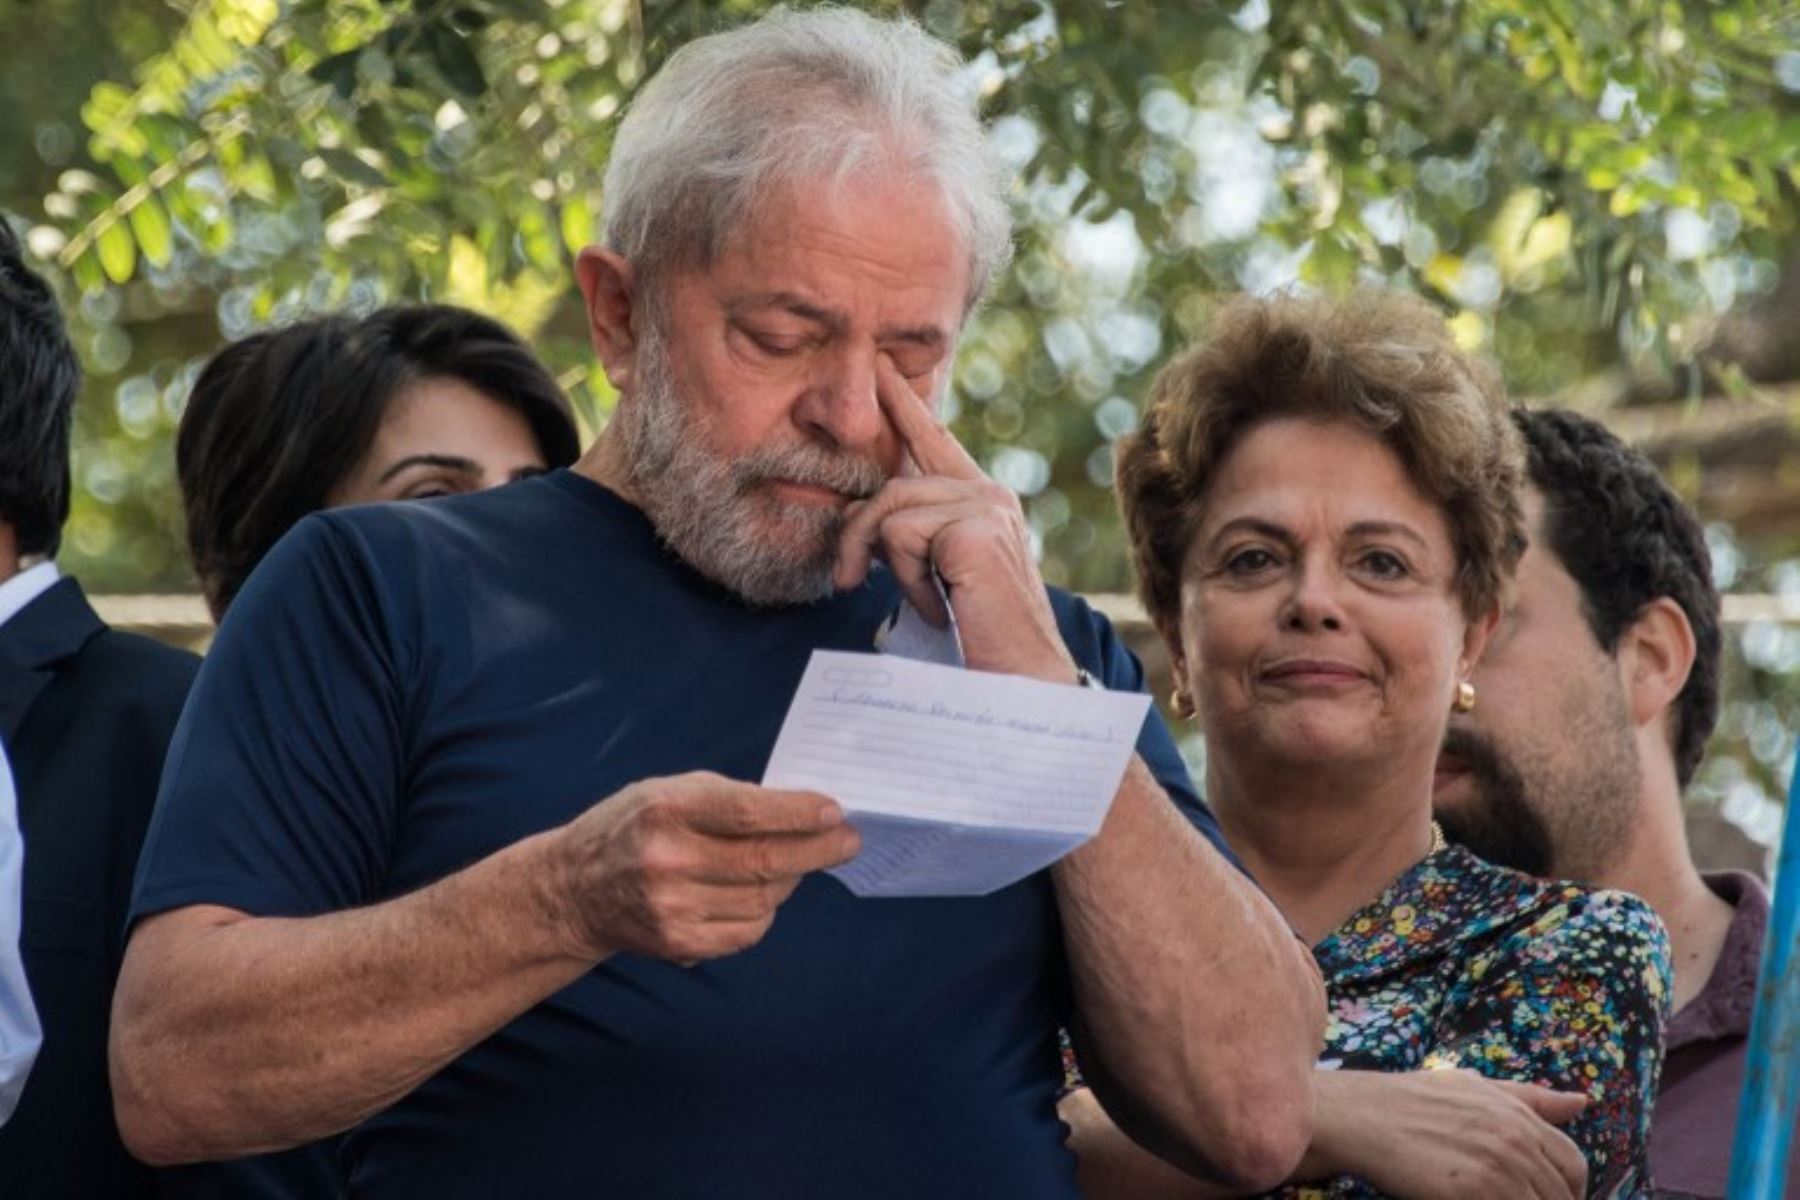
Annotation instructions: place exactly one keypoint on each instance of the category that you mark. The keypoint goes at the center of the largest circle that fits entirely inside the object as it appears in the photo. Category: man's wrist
(544, 863)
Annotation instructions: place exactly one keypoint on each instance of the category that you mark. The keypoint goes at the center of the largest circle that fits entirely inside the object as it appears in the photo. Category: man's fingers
(735, 903)
(727, 808)
(866, 527)
(703, 940)
(930, 443)
(775, 859)
(1558, 1108)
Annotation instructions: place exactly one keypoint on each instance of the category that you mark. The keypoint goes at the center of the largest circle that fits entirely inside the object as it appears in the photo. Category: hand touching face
(945, 518)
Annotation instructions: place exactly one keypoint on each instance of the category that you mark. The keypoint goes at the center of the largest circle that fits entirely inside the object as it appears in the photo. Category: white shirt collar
(25, 587)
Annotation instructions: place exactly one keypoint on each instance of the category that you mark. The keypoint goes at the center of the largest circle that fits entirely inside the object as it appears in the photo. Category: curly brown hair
(1380, 361)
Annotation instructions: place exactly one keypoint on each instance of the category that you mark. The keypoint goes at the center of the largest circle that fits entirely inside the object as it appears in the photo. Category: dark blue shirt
(404, 689)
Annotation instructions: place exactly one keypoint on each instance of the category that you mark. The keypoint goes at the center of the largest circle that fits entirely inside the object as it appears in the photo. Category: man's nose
(840, 407)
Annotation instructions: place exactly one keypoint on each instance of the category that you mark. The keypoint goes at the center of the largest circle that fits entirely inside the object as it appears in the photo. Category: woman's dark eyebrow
(449, 462)
(1388, 529)
(1257, 525)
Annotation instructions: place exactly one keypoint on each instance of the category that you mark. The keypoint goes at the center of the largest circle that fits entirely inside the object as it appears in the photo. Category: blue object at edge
(1771, 1097)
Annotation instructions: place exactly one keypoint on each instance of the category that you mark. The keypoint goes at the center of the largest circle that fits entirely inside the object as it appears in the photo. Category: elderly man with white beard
(458, 848)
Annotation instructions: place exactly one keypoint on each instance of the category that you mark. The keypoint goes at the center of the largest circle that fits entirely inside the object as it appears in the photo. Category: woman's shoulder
(1454, 908)
(1514, 903)
(1567, 926)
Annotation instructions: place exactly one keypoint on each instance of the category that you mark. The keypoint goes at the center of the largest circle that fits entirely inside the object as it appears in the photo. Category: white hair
(797, 96)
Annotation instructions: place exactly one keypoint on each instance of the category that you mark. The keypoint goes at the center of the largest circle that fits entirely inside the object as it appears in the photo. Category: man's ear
(1655, 654)
(1475, 639)
(609, 288)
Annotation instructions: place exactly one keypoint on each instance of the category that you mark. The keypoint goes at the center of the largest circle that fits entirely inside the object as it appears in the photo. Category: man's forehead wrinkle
(870, 273)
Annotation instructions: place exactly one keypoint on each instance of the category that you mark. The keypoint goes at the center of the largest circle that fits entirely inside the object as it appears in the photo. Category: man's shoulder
(1724, 1007)
(149, 663)
(508, 528)
(78, 645)
(1072, 605)
(115, 699)
(125, 672)
(1083, 628)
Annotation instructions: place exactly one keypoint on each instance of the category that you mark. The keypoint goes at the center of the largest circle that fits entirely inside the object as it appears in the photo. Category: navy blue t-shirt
(404, 689)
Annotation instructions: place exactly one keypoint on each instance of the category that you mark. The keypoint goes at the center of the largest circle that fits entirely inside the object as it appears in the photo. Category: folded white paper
(960, 782)
(908, 634)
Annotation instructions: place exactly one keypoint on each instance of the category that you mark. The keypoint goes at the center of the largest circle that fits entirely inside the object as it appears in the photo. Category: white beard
(721, 515)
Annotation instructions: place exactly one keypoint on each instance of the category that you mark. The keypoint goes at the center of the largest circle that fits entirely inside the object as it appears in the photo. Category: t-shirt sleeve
(1099, 649)
(1574, 1001)
(281, 789)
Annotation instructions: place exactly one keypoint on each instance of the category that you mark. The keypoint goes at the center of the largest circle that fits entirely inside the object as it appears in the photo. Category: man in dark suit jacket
(85, 715)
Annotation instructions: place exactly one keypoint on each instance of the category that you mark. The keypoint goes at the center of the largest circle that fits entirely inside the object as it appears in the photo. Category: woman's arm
(1417, 1135)
(1574, 1001)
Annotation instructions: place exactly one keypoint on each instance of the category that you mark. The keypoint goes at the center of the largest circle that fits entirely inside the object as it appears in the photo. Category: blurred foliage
(1584, 186)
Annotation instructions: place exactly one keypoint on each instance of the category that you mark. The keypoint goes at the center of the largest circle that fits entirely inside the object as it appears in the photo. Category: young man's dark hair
(1626, 539)
(39, 376)
(278, 419)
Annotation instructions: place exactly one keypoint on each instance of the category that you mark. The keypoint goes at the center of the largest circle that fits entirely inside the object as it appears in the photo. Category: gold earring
(1182, 703)
(1465, 698)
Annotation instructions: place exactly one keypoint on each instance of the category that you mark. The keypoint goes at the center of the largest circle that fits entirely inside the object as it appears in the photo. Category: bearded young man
(1596, 698)
(457, 846)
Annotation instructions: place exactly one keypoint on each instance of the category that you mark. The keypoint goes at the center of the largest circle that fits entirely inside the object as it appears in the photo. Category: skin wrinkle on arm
(1243, 1007)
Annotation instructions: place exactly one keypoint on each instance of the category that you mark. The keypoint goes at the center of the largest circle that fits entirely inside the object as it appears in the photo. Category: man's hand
(953, 519)
(690, 867)
(1420, 1135)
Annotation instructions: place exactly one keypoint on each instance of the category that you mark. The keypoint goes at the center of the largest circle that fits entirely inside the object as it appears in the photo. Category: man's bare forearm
(235, 1035)
(1199, 1014)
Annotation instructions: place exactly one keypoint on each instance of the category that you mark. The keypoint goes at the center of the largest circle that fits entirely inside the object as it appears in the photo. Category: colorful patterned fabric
(1464, 964)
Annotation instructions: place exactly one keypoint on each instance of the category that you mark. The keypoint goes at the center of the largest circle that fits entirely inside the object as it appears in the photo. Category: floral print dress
(1464, 964)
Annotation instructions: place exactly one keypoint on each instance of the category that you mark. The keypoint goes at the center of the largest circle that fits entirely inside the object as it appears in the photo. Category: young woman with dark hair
(409, 402)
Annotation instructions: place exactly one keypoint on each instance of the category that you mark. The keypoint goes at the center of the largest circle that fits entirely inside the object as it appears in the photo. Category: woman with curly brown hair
(1323, 505)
